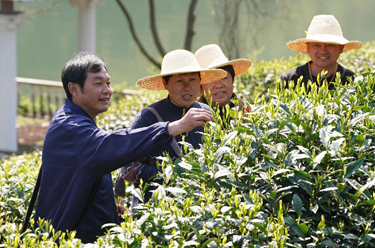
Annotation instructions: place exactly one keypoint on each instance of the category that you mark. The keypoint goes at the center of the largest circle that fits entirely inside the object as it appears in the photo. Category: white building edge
(9, 21)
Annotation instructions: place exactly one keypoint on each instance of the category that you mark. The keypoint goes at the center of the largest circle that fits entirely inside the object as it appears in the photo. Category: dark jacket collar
(76, 109)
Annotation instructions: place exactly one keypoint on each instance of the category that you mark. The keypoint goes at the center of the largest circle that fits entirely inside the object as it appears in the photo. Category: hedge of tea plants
(296, 171)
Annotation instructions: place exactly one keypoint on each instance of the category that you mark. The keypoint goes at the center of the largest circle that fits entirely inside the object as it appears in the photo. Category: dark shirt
(303, 70)
(170, 112)
(76, 155)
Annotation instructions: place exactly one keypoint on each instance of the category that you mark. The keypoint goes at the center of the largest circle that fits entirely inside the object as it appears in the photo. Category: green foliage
(18, 176)
(24, 106)
(42, 107)
(122, 112)
(296, 171)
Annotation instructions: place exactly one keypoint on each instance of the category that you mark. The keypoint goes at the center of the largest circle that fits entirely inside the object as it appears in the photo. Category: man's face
(221, 91)
(183, 88)
(94, 98)
(324, 55)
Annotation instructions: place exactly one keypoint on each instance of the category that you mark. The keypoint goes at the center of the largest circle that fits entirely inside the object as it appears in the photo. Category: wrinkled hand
(121, 210)
(194, 117)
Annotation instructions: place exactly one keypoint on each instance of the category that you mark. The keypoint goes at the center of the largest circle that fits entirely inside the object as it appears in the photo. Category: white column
(8, 85)
(86, 24)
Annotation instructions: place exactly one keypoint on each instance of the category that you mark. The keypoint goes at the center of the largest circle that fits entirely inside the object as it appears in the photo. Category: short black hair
(166, 78)
(76, 69)
(228, 68)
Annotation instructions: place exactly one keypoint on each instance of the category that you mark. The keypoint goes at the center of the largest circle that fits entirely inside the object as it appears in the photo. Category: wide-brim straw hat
(323, 29)
(211, 56)
(177, 62)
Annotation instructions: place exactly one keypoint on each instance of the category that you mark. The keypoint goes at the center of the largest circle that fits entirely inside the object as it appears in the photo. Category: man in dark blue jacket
(76, 186)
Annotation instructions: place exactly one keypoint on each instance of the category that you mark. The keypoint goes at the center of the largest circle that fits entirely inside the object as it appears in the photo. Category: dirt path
(32, 134)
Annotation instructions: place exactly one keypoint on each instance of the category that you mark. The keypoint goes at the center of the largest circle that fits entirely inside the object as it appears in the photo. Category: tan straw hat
(177, 62)
(325, 29)
(211, 56)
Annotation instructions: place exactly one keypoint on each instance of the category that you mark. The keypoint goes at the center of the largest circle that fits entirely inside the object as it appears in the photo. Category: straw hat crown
(211, 56)
(177, 62)
(325, 29)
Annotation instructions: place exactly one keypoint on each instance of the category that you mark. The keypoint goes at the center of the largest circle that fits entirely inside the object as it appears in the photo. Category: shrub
(296, 171)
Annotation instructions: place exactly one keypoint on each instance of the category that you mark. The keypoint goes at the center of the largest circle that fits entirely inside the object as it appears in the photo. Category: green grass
(23, 121)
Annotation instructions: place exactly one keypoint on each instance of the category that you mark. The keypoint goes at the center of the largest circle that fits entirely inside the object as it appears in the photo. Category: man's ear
(165, 84)
(73, 88)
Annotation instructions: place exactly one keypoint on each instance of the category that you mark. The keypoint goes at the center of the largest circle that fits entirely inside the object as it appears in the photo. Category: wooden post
(33, 101)
(49, 103)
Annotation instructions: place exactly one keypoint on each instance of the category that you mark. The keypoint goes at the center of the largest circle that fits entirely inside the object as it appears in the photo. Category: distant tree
(237, 18)
(188, 37)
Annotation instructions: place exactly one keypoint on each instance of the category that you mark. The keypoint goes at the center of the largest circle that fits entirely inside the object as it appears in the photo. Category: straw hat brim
(300, 45)
(239, 65)
(156, 82)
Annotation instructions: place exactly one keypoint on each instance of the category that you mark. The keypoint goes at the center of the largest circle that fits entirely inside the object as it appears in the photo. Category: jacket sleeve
(100, 152)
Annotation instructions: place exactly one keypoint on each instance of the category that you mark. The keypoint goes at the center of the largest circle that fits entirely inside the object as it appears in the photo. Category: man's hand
(194, 117)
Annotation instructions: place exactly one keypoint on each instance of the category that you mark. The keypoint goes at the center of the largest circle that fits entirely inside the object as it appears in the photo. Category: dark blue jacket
(76, 154)
(170, 112)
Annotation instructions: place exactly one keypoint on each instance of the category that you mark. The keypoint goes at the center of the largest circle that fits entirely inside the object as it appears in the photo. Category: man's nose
(219, 83)
(107, 89)
(323, 48)
(187, 84)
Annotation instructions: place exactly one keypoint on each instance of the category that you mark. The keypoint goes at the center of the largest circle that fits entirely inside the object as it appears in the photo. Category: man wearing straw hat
(182, 77)
(221, 91)
(324, 43)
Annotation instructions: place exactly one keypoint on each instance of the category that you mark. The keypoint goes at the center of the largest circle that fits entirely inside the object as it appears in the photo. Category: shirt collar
(76, 109)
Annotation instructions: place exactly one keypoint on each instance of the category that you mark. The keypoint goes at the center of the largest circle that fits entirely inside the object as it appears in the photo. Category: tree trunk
(190, 25)
(154, 30)
(135, 37)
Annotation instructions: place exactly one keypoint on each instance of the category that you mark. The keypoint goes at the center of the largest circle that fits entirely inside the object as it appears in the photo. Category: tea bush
(296, 171)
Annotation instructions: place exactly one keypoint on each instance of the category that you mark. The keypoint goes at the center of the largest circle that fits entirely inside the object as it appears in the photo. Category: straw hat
(211, 56)
(177, 62)
(325, 29)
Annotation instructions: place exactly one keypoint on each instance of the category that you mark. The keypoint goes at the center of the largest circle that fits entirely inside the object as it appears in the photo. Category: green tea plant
(298, 171)
(122, 112)
(295, 171)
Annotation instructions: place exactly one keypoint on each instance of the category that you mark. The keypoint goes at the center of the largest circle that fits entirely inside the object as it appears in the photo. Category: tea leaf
(354, 167)
(297, 204)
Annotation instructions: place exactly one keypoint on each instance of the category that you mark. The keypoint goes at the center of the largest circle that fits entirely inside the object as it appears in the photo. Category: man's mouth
(187, 97)
(104, 100)
(220, 93)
